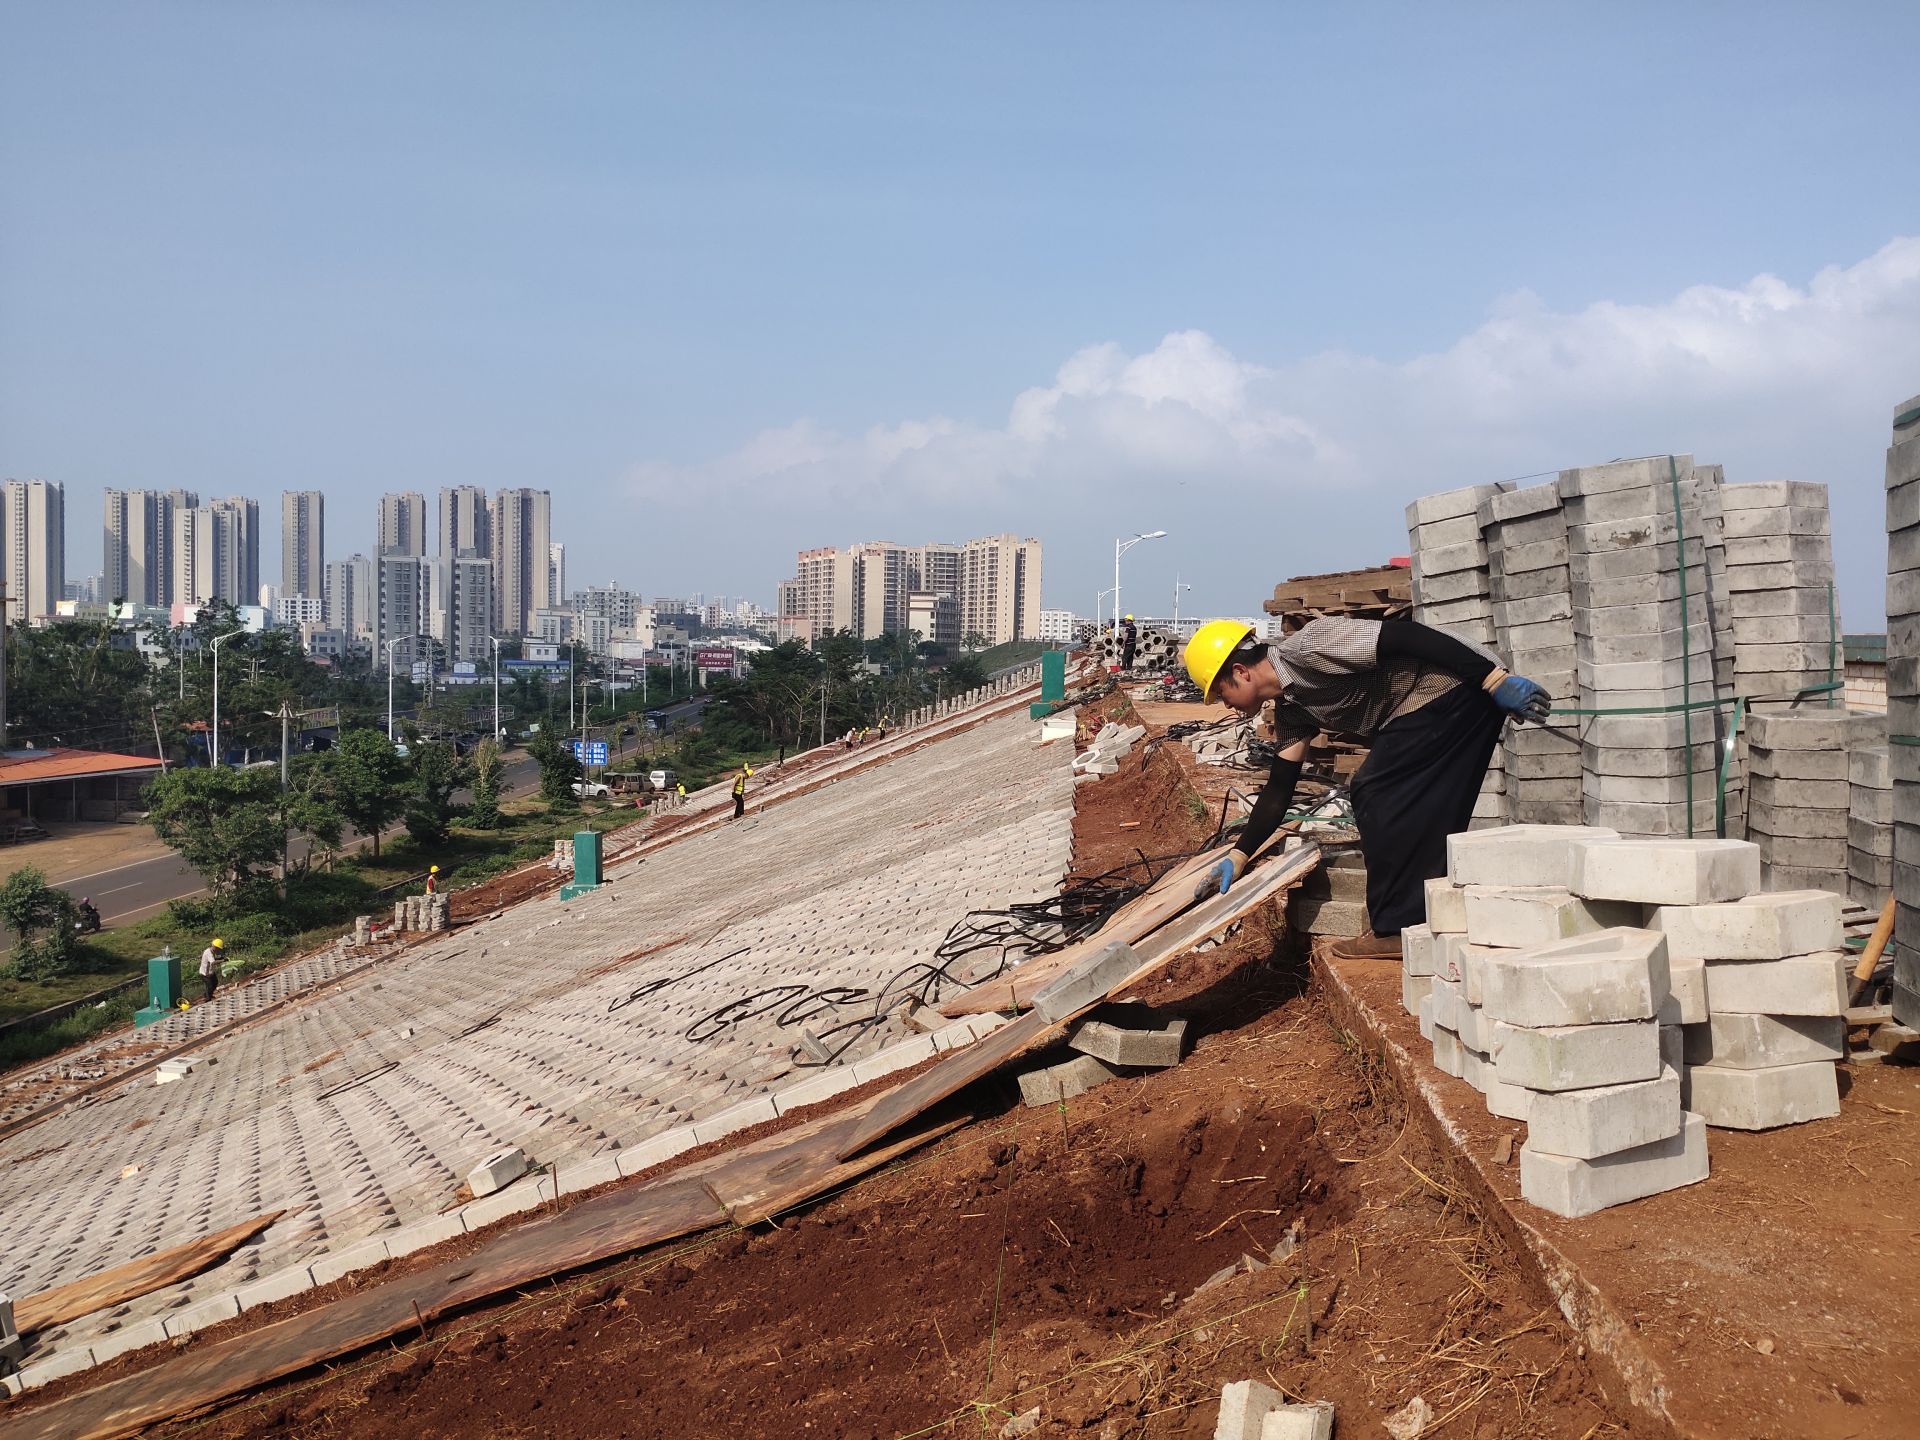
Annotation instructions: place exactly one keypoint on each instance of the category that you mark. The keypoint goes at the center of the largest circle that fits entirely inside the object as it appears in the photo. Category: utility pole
(3, 665)
(286, 716)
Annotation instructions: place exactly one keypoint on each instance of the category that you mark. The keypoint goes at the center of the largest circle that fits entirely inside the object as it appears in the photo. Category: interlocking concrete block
(57, 1366)
(1447, 1003)
(514, 1200)
(207, 1313)
(498, 1171)
(747, 1112)
(1416, 950)
(569, 1179)
(1797, 985)
(1472, 967)
(1087, 983)
(1760, 927)
(1514, 917)
(1605, 1119)
(1413, 990)
(1617, 974)
(1449, 1055)
(1570, 1186)
(1130, 1035)
(1666, 872)
(126, 1340)
(1447, 951)
(1576, 1057)
(277, 1285)
(1735, 1041)
(677, 1141)
(1516, 854)
(328, 1268)
(1052, 1084)
(1733, 1099)
(1311, 1421)
(1686, 1002)
(1508, 1101)
(900, 1056)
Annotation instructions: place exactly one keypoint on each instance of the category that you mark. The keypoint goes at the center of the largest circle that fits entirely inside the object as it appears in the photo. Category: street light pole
(213, 755)
(496, 688)
(1177, 588)
(397, 640)
(1120, 547)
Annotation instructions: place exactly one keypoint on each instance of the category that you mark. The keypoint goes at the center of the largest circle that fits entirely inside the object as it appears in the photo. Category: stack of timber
(1381, 593)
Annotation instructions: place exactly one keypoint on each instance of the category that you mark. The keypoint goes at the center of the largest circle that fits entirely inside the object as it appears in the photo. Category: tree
(437, 773)
(973, 640)
(558, 767)
(484, 812)
(368, 780)
(77, 684)
(311, 809)
(41, 919)
(964, 674)
(226, 823)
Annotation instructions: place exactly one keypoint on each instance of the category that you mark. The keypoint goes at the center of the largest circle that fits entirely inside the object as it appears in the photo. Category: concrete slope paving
(362, 1108)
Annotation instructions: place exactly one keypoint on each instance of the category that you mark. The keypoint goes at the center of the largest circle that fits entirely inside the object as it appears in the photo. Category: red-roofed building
(67, 784)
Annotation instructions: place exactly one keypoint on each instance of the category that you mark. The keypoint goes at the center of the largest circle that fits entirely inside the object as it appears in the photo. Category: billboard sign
(713, 659)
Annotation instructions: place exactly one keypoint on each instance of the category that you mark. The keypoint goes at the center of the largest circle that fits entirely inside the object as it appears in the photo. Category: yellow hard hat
(218, 943)
(1129, 616)
(433, 869)
(1209, 648)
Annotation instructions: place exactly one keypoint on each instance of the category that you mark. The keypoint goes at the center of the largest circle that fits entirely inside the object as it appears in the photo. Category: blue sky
(736, 280)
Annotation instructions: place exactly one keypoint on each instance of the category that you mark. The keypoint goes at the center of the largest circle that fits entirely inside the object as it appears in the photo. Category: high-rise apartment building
(824, 578)
(1000, 589)
(522, 558)
(871, 587)
(216, 552)
(352, 601)
(885, 575)
(136, 549)
(403, 525)
(466, 522)
(403, 612)
(303, 531)
(34, 516)
(556, 574)
(622, 609)
(461, 605)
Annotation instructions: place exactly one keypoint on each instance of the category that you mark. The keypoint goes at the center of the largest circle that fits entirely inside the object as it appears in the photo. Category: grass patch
(1014, 652)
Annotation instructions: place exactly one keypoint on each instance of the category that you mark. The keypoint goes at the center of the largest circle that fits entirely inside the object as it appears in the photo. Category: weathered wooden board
(803, 1172)
(135, 1278)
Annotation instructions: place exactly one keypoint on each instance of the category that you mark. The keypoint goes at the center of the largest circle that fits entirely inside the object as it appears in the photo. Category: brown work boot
(1367, 947)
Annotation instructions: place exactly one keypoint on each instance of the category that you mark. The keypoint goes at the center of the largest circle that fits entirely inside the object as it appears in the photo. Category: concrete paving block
(1570, 1186)
(1413, 990)
(1472, 966)
(330, 1267)
(1673, 1052)
(1053, 1084)
(1474, 1029)
(1475, 1068)
(1610, 975)
(1760, 927)
(1252, 1411)
(1311, 1421)
(571, 1180)
(280, 1284)
(747, 1112)
(1733, 1099)
(1515, 917)
(498, 1170)
(57, 1366)
(1130, 1035)
(667, 1144)
(1576, 1057)
(126, 1340)
(1797, 985)
(900, 1056)
(1516, 854)
(1734, 1041)
(1417, 950)
(514, 1200)
(1665, 872)
(1686, 1002)
(1449, 1055)
(1605, 1119)
(207, 1313)
(1086, 983)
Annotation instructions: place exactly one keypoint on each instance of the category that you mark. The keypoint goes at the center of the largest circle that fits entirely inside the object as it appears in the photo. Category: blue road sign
(590, 752)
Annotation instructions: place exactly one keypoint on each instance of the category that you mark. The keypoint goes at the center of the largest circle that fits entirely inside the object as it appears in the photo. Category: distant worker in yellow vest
(433, 879)
(740, 790)
(679, 794)
(1431, 705)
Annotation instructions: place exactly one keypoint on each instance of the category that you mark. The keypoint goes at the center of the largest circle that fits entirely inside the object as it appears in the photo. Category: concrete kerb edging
(528, 1193)
(1630, 1374)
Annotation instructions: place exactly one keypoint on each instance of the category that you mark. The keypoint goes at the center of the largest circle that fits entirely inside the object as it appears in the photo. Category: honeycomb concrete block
(280, 1285)
(1570, 1186)
(1416, 950)
(1605, 1119)
(201, 1316)
(1760, 927)
(1666, 872)
(1087, 983)
(1514, 917)
(126, 1340)
(1576, 1057)
(568, 1179)
(1734, 1041)
(1686, 1002)
(1517, 854)
(1054, 1084)
(1446, 906)
(1610, 975)
(679, 1140)
(498, 1171)
(1732, 1099)
(328, 1268)
(1130, 1035)
(514, 1200)
(1798, 985)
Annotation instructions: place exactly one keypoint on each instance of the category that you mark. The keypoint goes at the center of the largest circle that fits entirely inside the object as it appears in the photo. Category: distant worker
(1129, 643)
(210, 968)
(1432, 706)
(433, 879)
(863, 734)
(679, 793)
(882, 733)
(87, 921)
(740, 790)
(848, 737)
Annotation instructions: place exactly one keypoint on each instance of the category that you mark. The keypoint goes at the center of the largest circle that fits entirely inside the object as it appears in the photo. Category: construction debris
(1054, 1084)
(1108, 748)
(1130, 1036)
(1382, 593)
(1252, 1411)
(498, 1171)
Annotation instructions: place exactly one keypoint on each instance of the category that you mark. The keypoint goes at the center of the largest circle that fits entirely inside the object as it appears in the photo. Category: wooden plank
(1159, 714)
(804, 1174)
(621, 1221)
(135, 1278)
(963, 1067)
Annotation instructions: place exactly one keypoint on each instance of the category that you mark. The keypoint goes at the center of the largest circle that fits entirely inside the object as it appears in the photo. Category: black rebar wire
(654, 987)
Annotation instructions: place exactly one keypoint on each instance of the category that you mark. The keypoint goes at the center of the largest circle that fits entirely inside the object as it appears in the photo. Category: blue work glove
(1219, 879)
(1522, 699)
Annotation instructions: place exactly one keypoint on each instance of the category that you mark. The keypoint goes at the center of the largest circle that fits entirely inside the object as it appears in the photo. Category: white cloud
(1312, 460)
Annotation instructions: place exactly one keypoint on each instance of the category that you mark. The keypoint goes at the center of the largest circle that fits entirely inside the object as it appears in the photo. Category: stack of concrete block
(1903, 700)
(1332, 900)
(1776, 982)
(1526, 533)
(1452, 589)
(1780, 574)
(1106, 750)
(1643, 637)
(1799, 796)
(1869, 825)
(1707, 483)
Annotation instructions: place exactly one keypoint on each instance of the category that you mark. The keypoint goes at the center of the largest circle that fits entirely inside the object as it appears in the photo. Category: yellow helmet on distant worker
(1209, 648)
(1129, 615)
(218, 943)
(433, 869)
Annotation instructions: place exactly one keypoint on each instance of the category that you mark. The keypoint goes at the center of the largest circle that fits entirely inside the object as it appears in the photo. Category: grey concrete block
(1130, 1035)
(1087, 983)
(498, 1170)
(1731, 1099)
(1797, 985)
(280, 1284)
(1609, 975)
(1756, 1042)
(1575, 1057)
(1574, 1187)
(1759, 927)
(1605, 1119)
(359, 1256)
(69, 1360)
(1052, 1084)
(207, 1313)
(124, 1341)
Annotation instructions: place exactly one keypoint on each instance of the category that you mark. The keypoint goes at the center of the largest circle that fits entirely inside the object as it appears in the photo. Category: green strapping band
(1686, 649)
(1900, 422)
(1904, 739)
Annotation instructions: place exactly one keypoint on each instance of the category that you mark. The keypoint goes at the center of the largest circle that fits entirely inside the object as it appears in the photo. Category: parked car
(663, 779)
(591, 788)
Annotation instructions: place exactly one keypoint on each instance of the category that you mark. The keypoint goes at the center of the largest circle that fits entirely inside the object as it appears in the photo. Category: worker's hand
(1522, 699)
(1220, 877)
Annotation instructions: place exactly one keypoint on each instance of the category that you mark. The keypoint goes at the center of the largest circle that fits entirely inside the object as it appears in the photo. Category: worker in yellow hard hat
(740, 790)
(433, 879)
(210, 959)
(1431, 705)
(1129, 643)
